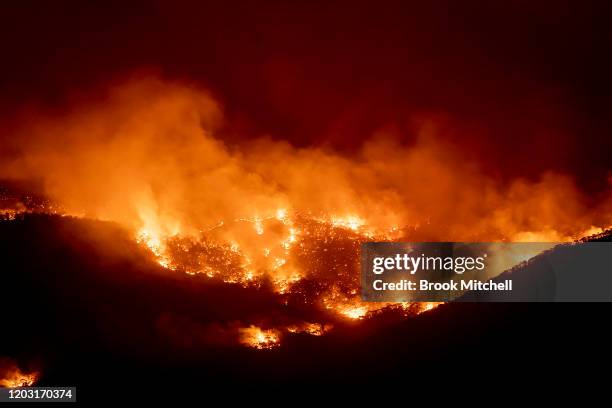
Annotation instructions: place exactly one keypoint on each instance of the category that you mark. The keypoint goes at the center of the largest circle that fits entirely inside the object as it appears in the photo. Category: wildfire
(155, 245)
(258, 338)
(10, 214)
(351, 222)
(295, 250)
(427, 306)
(261, 339)
(314, 329)
(354, 312)
(264, 213)
(11, 376)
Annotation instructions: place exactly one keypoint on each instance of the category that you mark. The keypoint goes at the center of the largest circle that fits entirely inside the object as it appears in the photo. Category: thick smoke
(147, 155)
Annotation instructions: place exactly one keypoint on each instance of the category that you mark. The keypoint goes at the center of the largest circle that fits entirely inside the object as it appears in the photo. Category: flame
(354, 312)
(352, 222)
(427, 306)
(10, 214)
(263, 211)
(258, 338)
(149, 159)
(299, 240)
(313, 329)
(154, 243)
(11, 376)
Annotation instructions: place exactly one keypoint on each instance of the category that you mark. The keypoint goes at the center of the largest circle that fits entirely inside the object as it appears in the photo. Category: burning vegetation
(12, 376)
(266, 215)
(258, 338)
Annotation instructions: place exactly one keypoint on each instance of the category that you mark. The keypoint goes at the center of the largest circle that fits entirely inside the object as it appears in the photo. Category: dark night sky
(516, 81)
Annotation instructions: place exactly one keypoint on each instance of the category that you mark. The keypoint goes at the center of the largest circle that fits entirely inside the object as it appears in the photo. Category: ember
(185, 188)
(258, 338)
(11, 376)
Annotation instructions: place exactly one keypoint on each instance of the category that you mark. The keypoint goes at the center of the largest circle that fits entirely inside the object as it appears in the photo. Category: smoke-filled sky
(259, 142)
(484, 116)
(524, 85)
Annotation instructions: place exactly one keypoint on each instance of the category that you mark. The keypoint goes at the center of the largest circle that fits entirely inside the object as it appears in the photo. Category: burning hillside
(102, 302)
(270, 217)
(11, 375)
(185, 189)
(149, 157)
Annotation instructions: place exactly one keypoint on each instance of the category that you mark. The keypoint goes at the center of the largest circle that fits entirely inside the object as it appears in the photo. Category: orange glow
(263, 211)
(258, 338)
(151, 160)
(314, 329)
(11, 376)
(427, 306)
(354, 312)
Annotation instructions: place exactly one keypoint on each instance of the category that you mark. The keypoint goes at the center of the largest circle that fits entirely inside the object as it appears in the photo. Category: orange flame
(11, 376)
(258, 338)
(149, 158)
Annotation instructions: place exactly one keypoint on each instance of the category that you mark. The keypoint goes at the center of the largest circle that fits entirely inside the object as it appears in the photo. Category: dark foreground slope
(87, 306)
